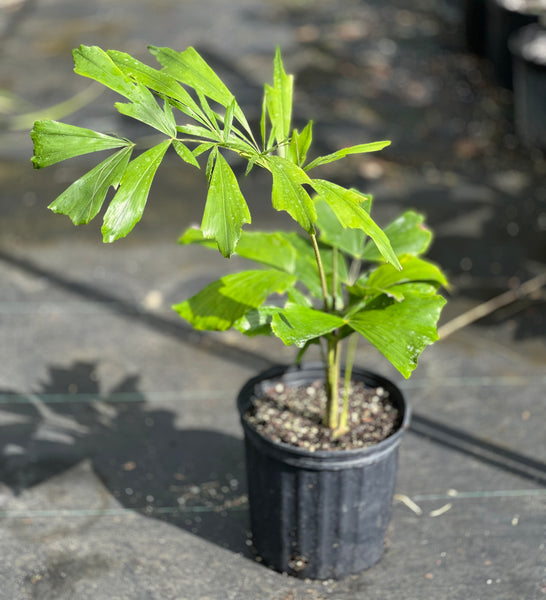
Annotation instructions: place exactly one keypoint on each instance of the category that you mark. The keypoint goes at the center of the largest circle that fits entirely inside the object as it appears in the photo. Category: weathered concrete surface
(121, 462)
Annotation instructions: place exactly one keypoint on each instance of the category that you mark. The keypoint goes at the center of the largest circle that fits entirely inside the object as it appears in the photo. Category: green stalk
(349, 361)
(334, 278)
(331, 414)
(334, 361)
(354, 271)
(322, 275)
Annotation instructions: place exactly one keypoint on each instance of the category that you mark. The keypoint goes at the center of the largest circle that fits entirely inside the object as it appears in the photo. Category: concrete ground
(121, 466)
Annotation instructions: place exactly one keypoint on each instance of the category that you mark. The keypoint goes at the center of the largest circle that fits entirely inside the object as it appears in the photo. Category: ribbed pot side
(319, 515)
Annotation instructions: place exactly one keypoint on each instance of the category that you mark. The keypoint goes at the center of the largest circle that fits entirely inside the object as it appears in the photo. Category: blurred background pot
(474, 26)
(528, 49)
(504, 18)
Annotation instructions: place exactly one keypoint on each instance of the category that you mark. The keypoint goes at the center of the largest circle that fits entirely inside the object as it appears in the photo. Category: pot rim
(320, 459)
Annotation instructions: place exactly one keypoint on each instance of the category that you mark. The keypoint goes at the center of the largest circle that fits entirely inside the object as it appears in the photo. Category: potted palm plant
(321, 438)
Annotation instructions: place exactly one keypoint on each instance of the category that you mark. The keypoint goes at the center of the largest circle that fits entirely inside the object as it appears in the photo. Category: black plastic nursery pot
(323, 514)
(528, 49)
(474, 26)
(504, 18)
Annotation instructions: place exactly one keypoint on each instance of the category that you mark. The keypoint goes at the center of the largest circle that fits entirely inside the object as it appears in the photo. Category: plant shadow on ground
(193, 479)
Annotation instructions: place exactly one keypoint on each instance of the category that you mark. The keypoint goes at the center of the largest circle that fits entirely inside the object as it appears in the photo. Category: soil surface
(293, 415)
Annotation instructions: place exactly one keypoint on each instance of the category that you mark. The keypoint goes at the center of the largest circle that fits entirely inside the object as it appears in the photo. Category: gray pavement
(121, 467)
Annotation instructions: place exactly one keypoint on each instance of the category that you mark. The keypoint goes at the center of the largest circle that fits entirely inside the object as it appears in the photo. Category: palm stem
(349, 361)
(334, 278)
(322, 276)
(331, 414)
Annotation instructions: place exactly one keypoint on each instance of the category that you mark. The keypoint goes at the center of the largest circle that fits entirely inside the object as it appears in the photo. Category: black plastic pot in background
(503, 18)
(528, 49)
(474, 26)
(324, 514)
